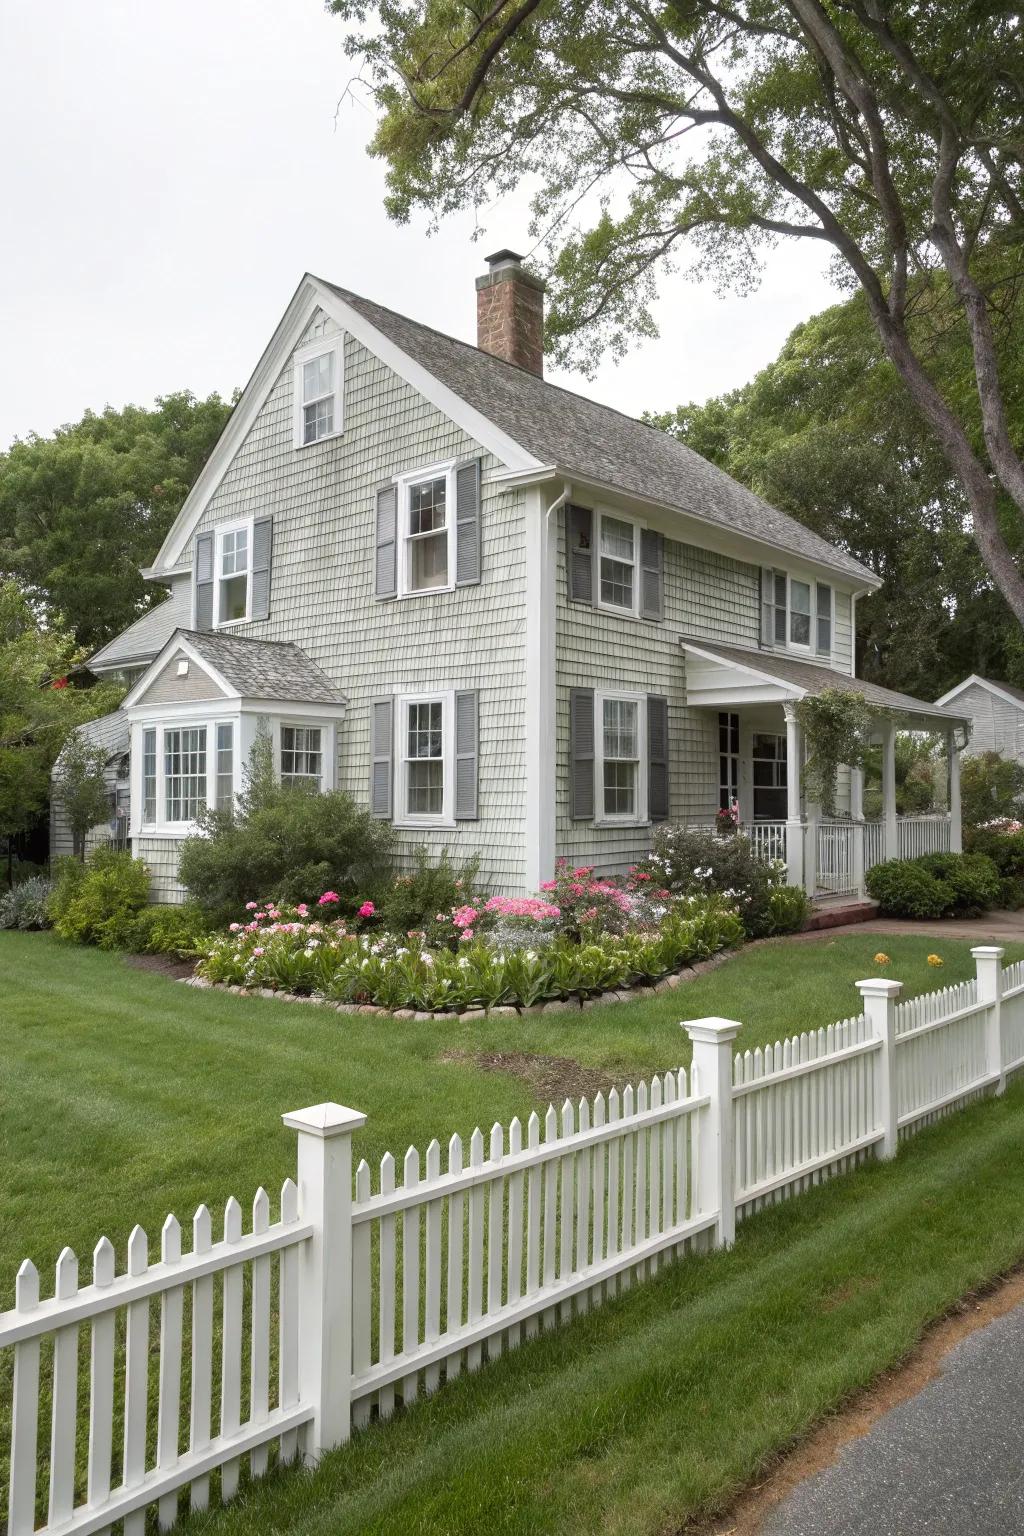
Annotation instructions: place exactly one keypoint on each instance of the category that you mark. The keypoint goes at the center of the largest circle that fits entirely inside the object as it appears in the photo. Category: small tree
(991, 789)
(81, 788)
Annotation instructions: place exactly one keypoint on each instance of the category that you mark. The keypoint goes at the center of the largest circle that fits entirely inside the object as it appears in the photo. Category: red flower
(59, 682)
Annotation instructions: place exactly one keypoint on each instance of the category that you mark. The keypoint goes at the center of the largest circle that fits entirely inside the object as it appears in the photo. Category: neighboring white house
(996, 712)
(511, 621)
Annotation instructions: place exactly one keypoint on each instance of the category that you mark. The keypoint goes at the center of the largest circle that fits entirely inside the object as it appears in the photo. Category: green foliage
(25, 904)
(991, 789)
(83, 509)
(1004, 845)
(180, 931)
(836, 725)
(788, 909)
(972, 877)
(904, 888)
(692, 862)
(413, 899)
(100, 903)
(80, 786)
(921, 769)
(288, 841)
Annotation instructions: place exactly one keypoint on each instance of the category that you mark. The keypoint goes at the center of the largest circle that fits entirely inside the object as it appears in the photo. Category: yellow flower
(934, 959)
(881, 958)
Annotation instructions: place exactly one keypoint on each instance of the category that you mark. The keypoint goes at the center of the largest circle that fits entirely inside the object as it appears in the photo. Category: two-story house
(511, 621)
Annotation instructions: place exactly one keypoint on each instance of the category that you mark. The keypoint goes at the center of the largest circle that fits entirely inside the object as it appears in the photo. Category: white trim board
(981, 682)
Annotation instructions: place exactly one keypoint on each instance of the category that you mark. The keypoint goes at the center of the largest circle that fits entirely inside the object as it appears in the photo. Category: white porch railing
(922, 834)
(768, 838)
(838, 866)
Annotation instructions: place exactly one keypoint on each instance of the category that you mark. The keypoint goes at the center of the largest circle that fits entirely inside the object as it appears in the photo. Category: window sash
(427, 534)
(301, 754)
(234, 574)
(617, 563)
(425, 770)
(769, 772)
(148, 777)
(184, 773)
(620, 758)
(800, 613)
(224, 788)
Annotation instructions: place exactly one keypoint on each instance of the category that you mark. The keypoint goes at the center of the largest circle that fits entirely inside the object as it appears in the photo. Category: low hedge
(935, 885)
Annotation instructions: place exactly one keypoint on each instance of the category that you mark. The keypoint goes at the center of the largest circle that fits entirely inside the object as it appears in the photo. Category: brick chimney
(510, 312)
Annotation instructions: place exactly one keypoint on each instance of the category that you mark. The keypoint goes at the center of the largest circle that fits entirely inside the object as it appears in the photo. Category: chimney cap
(504, 258)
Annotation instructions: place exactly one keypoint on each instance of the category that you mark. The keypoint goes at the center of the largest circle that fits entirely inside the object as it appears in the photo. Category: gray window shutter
(652, 574)
(767, 608)
(467, 524)
(657, 757)
(382, 738)
(262, 540)
(203, 581)
(581, 754)
(580, 555)
(466, 757)
(386, 576)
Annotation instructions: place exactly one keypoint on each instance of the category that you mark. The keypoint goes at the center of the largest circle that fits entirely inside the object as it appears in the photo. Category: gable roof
(255, 669)
(149, 634)
(526, 423)
(595, 442)
(804, 677)
(1001, 690)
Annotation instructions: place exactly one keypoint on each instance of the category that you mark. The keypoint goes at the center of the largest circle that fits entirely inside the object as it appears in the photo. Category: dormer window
(318, 391)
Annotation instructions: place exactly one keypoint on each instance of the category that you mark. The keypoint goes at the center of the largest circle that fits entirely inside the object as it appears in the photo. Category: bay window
(184, 773)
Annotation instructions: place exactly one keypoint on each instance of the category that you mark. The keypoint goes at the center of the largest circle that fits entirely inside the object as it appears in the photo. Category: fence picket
(582, 1174)
(200, 1411)
(65, 1399)
(386, 1297)
(614, 1151)
(136, 1373)
(288, 1317)
(410, 1274)
(259, 1343)
(432, 1318)
(453, 1314)
(495, 1237)
(565, 1206)
(598, 1186)
(101, 1380)
(533, 1222)
(21, 1505)
(169, 1395)
(475, 1268)
(514, 1280)
(550, 1199)
(231, 1349)
(361, 1295)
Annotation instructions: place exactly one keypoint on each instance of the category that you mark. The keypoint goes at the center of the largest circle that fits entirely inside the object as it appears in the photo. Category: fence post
(712, 1056)
(879, 999)
(325, 1269)
(988, 959)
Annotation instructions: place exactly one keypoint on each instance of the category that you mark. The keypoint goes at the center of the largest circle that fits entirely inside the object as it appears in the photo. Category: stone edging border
(503, 1010)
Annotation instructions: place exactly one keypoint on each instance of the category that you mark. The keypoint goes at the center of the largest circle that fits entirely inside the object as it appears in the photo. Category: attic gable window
(318, 391)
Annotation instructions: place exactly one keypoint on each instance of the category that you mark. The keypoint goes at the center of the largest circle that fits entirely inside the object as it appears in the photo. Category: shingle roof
(264, 669)
(108, 732)
(149, 634)
(1015, 693)
(595, 442)
(815, 679)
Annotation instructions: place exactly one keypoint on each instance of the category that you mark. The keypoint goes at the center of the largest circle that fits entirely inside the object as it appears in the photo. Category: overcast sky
(169, 171)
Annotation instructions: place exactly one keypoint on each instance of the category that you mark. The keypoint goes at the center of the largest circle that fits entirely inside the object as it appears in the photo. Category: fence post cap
(712, 1030)
(325, 1120)
(879, 986)
(988, 951)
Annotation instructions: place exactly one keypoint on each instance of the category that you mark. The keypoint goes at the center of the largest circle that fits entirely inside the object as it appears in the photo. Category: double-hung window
(149, 777)
(617, 564)
(801, 613)
(621, 758)
(426, 531)
(318, 391)
(425, 759)
(233, 573)
(225, 786)
(184, 773)
(301, 755)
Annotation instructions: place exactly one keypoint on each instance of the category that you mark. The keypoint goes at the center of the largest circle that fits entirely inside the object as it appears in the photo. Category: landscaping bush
(905, 888)
(179, 931)
(1003, 843)
(690, 861)
(288, 840)
(25, 904)
(972, 877)
(100, 904)
(788, 909)
(991, 786)
(418, 901)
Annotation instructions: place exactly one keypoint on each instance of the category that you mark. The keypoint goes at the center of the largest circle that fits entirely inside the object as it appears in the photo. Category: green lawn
(124, 1095)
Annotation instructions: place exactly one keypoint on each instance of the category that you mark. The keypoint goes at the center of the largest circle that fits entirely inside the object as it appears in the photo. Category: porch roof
(727, 675)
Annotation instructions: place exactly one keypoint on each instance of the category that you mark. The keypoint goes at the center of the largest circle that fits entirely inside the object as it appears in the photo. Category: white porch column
(857, 813)
(892, 836)
(794, 818)
(956, 842)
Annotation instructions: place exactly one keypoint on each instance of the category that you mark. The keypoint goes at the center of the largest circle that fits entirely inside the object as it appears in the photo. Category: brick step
(834, 912)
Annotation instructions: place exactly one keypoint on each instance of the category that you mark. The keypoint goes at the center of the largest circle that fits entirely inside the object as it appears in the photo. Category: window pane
(780, 591)
(824, 605)
(234, 552)
(620, 789)
(427, 505)
(318, 420)
(620, 728)
(428, 562)
(616, 538)
(800, 612)
(185, 773)
(765, 746)
(234, 591)
(426, 789)
(425, 729)
(225, 788)
(616, 583)
(770, 804)
(149, 777)
(318, 377)
(301, 755)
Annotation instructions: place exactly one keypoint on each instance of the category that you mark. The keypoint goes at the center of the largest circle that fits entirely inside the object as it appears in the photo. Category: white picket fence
(274, 1342)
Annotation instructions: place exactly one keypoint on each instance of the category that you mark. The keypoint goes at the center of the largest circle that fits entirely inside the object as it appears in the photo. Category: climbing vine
(837, 727)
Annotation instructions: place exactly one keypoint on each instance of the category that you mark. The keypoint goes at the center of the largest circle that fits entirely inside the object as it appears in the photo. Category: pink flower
(258, 950)
(327, 898)
(467, 933)
(464, 917)
(302, 909)
(251, 906)
(549, 885)
(367, 909)
(235, 928)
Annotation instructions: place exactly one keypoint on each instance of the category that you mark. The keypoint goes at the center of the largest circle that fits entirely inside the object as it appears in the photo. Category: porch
(761, 753)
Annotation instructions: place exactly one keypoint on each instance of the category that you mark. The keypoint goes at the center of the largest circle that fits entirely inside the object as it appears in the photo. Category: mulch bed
(163, 965)
(551, 1077)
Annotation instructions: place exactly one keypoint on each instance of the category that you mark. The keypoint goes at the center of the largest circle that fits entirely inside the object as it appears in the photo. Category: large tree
(891, 134)
(827, 432)
(83, 509)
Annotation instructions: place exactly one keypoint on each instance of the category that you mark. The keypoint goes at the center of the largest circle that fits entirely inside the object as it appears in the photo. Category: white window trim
(302, 355)
(810, 650)
(600, 513)
(219, 534)
(641, 818)
(405, 484)
(403, 818)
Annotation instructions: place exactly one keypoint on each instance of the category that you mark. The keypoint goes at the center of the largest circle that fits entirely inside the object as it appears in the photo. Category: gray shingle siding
(110, 733)
(996, 724)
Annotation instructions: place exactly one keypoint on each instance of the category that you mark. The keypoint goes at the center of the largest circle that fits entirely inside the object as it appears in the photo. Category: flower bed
(515, 952)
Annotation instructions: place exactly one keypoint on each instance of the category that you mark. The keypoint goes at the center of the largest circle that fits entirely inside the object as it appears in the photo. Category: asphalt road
(948, 1462)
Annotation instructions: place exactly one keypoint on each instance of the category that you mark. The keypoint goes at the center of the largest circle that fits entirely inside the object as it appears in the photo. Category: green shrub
(289, 843)
(180, 931)
(689, 861)
(972, 877)
(991, 786)
(413, 900)
(100, 906)
(788, 909)
(68, 875)
(904, 888)
(25, 905)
